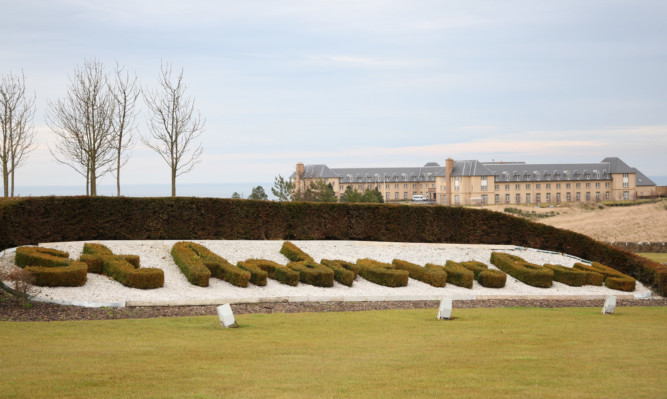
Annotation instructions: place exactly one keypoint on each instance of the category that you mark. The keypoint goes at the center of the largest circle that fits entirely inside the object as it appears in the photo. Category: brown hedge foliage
(51, 219)
(612, 278)
(50, 267)
(528, 273)
(37, 256)
(257, 275)
(592, 276)
(276, 271)
(456, 273)
(428, 274)
(294, 253)
(485, 276)
(196, 260)
(382, 273)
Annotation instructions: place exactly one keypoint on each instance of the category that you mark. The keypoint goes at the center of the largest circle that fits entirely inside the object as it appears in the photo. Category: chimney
(449, 167)
(299, 172)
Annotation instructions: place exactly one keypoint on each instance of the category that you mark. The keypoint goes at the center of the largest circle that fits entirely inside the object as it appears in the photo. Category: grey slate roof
(618, 166)
(470, 168)
(642, 179)
(549, 172)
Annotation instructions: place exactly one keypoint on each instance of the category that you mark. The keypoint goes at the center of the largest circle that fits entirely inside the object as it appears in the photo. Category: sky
(362, 83)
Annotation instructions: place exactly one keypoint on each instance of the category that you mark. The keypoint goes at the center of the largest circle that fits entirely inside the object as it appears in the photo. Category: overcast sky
(364, 83)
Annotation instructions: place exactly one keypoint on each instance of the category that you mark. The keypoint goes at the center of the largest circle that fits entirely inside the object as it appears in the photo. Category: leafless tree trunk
(83, 122)
(16, 112)
(125, 91)
(173, 125)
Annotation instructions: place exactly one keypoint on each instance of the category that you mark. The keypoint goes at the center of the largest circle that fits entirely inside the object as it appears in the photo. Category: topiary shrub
(429, 274)
(612, 278)
(486, 277)
(382, 273)
(342, 274)
(193, 259)
(313, 273)
(257, 275)
(456, 274)
(50, 267)
(294, 253)
(568, 275)
(592, 276)
(276, 271)
(122, 268)
(528, 273)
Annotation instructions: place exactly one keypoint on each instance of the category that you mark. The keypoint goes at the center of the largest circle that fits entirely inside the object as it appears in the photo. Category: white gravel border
(104, 291)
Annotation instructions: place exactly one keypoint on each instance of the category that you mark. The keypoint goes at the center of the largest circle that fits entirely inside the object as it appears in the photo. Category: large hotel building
(477, 183)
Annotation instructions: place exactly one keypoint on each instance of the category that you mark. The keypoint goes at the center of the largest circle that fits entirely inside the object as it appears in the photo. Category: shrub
(568, 275)
(50, 267)
(351, 266)
(382, 273)
(294, 253)
(456, 274)
(22, 283)
(276, 271)
(612, 278)
(72, 275)
(257, 275)
(592, 276)
(342, 274)
(193, 258)
(528, 273)
(122, 268)
(485, 276)
(313, 273)
(429, 274)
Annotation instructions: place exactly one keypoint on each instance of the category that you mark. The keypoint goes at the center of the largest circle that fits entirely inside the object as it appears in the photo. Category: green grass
(545, 353)
(654, 256)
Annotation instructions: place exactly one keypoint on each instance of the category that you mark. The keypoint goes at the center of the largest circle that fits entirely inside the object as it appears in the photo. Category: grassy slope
(547, 353)
(657, 257)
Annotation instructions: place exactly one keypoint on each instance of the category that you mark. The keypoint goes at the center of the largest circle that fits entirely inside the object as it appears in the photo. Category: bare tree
(125, 92)
(173, 125)
(83, 122)
(16, 112)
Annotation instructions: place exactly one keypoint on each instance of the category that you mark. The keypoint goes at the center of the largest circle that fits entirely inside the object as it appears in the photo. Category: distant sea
(212, 190)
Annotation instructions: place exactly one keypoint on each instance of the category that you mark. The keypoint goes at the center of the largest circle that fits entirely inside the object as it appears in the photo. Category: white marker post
(609, 305)
(445, 310)
(226, 316)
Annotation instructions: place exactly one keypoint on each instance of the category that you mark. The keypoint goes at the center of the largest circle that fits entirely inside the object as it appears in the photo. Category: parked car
(418, 197)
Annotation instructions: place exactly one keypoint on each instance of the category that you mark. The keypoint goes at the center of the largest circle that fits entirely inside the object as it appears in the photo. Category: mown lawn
(516, 352)
(654, 256)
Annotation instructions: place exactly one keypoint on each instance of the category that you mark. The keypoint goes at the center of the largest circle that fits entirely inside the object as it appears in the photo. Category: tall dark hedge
(48, 219)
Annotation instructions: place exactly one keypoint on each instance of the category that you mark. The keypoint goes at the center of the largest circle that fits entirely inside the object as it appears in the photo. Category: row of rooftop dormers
(501, 171)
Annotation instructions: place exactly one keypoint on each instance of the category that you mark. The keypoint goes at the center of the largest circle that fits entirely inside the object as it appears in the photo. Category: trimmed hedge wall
(313, 273)
(429, 274)
(342, 273)
(486, 277)
(51, 219)
(122, 268)
(531, 274)
(382, 273)
(50, 267)
(568, 275)
(456, 273)
(612, 278)
(198, 263)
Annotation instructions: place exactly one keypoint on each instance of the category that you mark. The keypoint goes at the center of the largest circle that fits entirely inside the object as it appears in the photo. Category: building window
(567, 185)
(527, 198)
(405, 195)
(396, 196)
(557, 186)
(405, 186)
(538, 198)
(537, 186)
(396, 186)
(414, 186)
(606, 195)
(588, 185)
(456, 199)
(387, 196)
(625, 195)
(578, 196)
(548, 186)
(597, 196)
(484, 183)
(568, 198)
(387, 186)
(626, 181)
(557, 197)
(518, 198)
(518, 187)
(496, 199)
(507, 187)
(456, 183)
(578, 185)
(548, 197)
(414, 193)
(527, 186)
(485, 199)
(588, 196)
(496, 187)
(507, 198)
(606, 184)
(597, 184)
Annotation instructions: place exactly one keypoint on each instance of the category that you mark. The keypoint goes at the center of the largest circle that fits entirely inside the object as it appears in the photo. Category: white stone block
(226, 316)
(609, 305)
(445, 310)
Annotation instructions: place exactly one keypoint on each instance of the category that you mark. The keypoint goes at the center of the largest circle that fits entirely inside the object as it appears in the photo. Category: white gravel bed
(177, 290)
